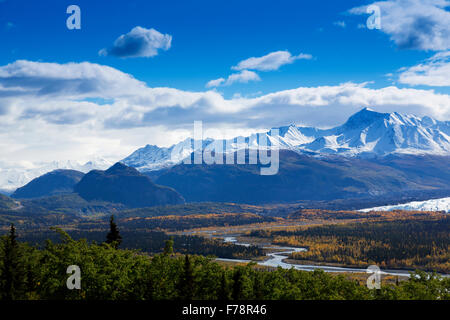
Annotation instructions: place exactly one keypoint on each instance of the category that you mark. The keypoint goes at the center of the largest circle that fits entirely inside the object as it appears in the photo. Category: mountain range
(305, 177)
(13, 176)
(416, 148)
(366, 134)
(300, 177)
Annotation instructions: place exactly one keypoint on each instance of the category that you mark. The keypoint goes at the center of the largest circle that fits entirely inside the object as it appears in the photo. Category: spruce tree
(10, 277)
(168, 246)
(258, 290)
(223, 292)
(187, 280)
(237, 285)
(113, 236)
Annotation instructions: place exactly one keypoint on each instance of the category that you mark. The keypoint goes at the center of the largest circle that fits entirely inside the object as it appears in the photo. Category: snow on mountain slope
(153, 157)
(371, 133)
(428, 205)
(366, 133)
(17, 175)
(292, 136)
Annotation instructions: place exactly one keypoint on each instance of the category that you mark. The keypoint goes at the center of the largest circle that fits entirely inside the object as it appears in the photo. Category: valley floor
(339, 242)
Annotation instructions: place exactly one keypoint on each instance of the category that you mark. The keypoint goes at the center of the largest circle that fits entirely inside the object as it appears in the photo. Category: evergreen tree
(10, 275)
(113, 236)
(168, 247)
(258, 292)
(237, 285)
(223, 293)
(187, 280)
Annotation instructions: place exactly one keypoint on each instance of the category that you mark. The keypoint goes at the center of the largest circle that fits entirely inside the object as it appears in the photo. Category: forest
(151, 242)
(111, 273)
(421, 242)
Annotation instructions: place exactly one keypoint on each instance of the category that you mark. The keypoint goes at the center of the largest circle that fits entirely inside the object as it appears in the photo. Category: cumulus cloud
(139, 42)
(49, 111)
(73, 79)
(435, 71)
(415, 24)
(271, 61)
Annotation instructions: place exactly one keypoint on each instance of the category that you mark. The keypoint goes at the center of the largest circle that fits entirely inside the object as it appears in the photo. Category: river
(276, 260)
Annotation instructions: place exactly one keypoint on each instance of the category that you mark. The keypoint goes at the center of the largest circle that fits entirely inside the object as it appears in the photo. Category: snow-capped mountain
(153, 157)
(371, 133)
(442, 204)
(366, 133)
(13, 177)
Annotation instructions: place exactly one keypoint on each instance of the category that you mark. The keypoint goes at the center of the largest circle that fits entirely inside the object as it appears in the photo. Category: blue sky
(208, 38)
(140, 72)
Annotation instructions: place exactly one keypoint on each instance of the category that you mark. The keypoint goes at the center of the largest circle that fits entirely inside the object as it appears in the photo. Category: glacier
(442, 204)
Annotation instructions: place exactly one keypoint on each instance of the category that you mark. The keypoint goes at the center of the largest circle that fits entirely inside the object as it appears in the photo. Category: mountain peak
(120, 168)
(56, 182)
(122, 184)
(285, 129)
(366, 133)
(367, 112)
(364, 117)
(150, 146)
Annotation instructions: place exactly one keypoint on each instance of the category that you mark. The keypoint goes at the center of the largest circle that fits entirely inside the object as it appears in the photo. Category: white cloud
(76, 79)
(139, 42)
(271, 61)
(435, 71)
(244, 76)
(415, 24)
(215, 83)
(46, 114)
